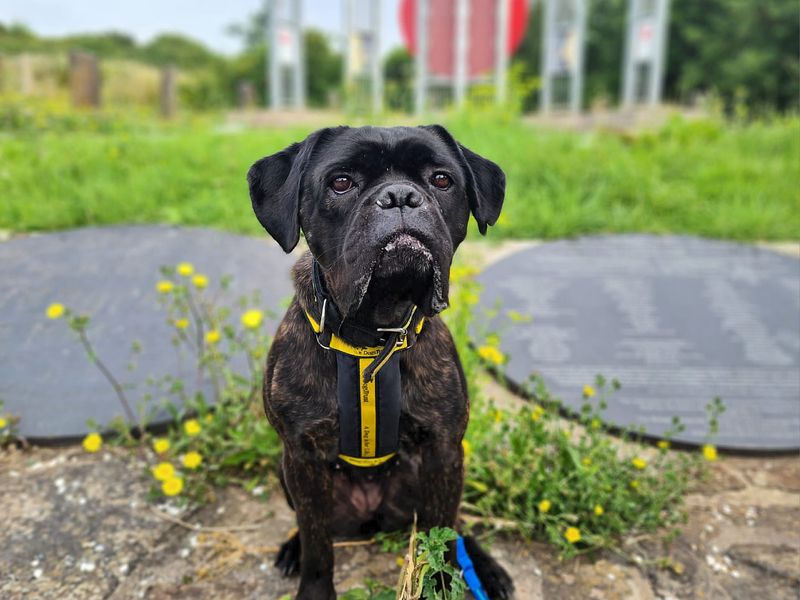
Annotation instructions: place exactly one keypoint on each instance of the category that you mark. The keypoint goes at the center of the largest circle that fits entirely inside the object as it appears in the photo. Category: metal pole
(500, 55)
(460, 47)
(576, 81)
(660, 59)
(628, 66)
(422, 57)
(272, 92)
(299, 79)
(377, 73)
(546, 96)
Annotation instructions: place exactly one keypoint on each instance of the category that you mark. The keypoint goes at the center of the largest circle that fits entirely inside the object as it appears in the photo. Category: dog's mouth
(405, 270)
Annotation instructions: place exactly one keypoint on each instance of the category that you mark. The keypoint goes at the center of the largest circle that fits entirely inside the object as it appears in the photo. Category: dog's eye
(441, 181)
(342, 184)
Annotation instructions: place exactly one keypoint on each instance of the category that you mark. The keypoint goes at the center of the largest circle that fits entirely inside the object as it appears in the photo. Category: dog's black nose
(399, 195)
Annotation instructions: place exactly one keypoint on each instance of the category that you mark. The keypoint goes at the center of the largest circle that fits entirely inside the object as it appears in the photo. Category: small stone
(537, 571)
(99, 548)
(37, 573)
(124, 568)
(735, 574)
(35, 562)
(726, 509)
(86, 566)
(709, 528)
(258, 490)
(184, 552)
(611, 577)
(221, 510)
(263, 567)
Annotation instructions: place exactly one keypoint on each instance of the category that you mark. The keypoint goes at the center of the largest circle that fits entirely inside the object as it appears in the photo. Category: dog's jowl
(363, 382)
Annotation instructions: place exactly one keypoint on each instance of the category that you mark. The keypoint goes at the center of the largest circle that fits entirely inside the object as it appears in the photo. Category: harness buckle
(403, 331)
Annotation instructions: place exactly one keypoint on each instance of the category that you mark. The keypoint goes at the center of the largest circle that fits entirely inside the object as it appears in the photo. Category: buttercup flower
(491, 354)
(634, 484)
(710, 452)
(544, 506)
(172, 486)
(537, 413)
(588, 391)
(164, 287)
(212, 337)
(3, 423)
(93, 442)
(55, 310)
(209, 418)
(200, 281)
(572, 535)
(639, 463)
(596, 424)
(598, 510)
(163, 471)
(252, 318)
(192, 460)
(498, 416)
(192, 427)
(467, 448)
(663, 444)
(161, 445)
(185, 269)
(181, 323)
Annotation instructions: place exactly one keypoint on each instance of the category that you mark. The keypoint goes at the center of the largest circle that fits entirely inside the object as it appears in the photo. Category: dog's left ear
(275, 187)
(486, 182)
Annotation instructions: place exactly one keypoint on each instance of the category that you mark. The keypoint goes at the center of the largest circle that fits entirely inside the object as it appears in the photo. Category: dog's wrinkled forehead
(373, 151)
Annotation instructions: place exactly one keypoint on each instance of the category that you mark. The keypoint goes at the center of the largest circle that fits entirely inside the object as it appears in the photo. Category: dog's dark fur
(386, 243)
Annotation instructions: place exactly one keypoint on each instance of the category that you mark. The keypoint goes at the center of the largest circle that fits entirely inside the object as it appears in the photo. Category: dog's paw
(496, 581)
(288, 559)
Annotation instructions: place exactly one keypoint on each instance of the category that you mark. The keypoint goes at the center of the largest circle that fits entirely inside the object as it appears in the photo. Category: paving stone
(110, 274)
(677, 320)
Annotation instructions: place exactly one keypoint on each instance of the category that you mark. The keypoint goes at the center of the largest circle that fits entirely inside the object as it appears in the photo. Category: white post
(500, 52)
(576, 80)
(422, 57)
(460, 48)
(377, 73)
(546, 95)
(274, 75)
(628, 65)
(659, 61)
(299, 55)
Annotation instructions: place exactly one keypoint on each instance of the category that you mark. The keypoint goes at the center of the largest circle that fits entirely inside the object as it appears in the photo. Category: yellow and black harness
(368, 385)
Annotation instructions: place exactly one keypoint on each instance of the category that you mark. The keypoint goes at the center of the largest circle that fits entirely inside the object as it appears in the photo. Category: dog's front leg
(308, 480)
(442, 479)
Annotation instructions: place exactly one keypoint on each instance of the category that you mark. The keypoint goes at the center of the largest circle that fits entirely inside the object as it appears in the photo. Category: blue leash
(468, 571)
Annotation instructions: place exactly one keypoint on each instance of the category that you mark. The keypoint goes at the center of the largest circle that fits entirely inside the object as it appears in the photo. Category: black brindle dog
(382, 210)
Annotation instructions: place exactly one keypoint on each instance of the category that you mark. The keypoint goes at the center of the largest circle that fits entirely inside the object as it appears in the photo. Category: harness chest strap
(368, 393)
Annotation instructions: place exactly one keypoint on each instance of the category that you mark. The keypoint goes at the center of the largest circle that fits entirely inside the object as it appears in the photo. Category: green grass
(709, 178)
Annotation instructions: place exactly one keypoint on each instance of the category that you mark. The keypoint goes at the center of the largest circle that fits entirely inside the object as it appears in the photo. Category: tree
(398, 75)
(178, 50)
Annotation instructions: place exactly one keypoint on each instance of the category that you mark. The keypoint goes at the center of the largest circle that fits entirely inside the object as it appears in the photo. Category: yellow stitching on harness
(366, 462)
(369, 415)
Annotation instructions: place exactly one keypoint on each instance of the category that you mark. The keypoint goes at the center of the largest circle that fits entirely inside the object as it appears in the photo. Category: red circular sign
(481, 32)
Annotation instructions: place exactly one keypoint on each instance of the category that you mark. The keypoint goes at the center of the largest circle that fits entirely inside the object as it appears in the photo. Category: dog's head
(382, 209)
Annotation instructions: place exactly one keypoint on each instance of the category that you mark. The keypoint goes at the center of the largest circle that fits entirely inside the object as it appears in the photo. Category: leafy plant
(426, 572)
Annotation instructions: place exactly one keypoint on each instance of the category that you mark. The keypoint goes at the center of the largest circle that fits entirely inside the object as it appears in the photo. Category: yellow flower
(200, 281)
(252, 318)
(192, 460)
(537, 413)
(710, 452)
(639, 463)
(663, 444)
(498, 416)
(596, 424)
(572, 535)
(598, 510)
(3, 423)
(164, 287)
(634, 484)
(491, 354)
(467, 448)
(209, 418)
(185, 269)
(160, 445)
(181, 323)
(93, 442)
(163, 471)
(192, 427)
(172, 486)
(400, 561)
(586, 461)
(544, 506)
(588, 391)
(54, 311)
(212, 337)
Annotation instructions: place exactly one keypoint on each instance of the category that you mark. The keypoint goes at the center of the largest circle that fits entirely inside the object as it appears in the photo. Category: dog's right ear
(275, 188)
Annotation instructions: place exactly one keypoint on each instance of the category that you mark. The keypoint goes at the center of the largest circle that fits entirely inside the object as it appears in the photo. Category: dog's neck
(373, 312)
